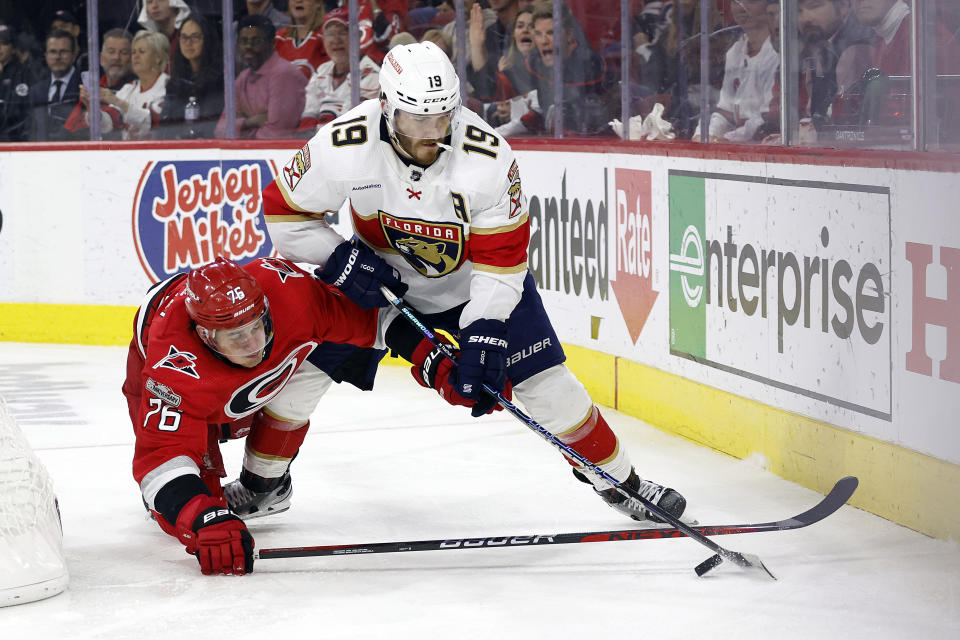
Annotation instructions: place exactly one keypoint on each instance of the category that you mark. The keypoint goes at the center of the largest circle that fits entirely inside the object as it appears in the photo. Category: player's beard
(422, 151)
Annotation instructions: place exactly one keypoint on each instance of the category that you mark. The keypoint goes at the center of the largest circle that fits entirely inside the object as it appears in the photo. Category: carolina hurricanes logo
(261, 390)
(282, 268)
(182, 361)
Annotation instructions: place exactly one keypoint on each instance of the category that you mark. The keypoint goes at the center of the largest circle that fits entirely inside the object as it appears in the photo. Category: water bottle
(191, 112)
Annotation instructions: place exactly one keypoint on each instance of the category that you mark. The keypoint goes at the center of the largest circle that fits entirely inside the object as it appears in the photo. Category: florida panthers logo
(434, 249)
(262, 389)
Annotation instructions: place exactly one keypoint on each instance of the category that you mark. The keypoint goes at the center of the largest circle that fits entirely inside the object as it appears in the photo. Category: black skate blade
(752, 563)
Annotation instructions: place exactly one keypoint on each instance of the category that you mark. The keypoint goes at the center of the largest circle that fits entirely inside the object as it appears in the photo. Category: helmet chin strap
(394, 140)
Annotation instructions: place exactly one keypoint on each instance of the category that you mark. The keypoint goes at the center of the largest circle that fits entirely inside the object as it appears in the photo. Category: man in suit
(15, 81)
(53, 97)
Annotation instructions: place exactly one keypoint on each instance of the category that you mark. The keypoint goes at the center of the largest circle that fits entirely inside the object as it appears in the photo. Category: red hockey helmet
(230, 309)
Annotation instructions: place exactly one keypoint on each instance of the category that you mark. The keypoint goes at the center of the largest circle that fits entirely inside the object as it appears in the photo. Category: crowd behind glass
(866, 73)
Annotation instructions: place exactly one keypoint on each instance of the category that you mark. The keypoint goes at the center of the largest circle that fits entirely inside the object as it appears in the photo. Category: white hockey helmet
(419, 79)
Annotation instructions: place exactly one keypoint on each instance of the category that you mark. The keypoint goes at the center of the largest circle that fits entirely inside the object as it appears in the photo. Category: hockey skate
(667, 499)
(247, 504)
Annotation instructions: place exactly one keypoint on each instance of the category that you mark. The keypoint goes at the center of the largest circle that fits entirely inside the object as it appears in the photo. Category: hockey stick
(746, 561)
(837, 497)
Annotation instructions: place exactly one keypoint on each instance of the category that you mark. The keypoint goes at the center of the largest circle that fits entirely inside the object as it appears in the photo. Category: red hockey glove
(218, 538)
(432, 369)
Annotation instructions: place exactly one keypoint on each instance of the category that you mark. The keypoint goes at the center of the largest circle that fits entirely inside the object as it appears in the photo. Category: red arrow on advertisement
(634, 251)
(636, 296)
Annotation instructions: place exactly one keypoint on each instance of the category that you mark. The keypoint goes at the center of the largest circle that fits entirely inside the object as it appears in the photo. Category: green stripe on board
(688, 318)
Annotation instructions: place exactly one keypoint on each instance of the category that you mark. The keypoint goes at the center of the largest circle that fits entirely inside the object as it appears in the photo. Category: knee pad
(555, 399)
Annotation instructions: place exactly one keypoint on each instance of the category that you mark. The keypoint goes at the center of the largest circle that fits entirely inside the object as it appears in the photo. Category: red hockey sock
(272, 438)
(593, 439)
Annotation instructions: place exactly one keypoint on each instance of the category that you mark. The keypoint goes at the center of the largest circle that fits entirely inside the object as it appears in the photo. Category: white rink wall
(828, 293)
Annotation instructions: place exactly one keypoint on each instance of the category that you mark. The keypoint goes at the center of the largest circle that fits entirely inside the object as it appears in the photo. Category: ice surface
(398, 464)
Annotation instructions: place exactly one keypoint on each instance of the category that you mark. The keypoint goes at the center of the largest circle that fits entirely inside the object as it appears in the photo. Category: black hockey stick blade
(747, 561)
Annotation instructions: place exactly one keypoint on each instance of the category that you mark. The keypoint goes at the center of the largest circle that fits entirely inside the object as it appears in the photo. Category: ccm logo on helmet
(432, 100)
(494, 342)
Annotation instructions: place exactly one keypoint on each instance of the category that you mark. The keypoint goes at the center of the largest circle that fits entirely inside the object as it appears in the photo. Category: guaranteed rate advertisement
(784, 282)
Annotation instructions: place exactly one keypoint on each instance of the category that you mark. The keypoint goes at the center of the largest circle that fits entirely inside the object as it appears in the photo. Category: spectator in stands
(115, 72)
(164, 16)
(115, 62)
(135, 108)
(196, 72)
(404, 37)
(892, 52)
(666, 67)
(302, 42)
(585, 109)
(769, 132)
(52, 98)
(749, 73)
(487, 45)
(891, 55)
(512, 111)
(437, 37)
(431, 14)
(836, 51)
(15, 81)
(389, 18)
(328, 93)
(513, 78)
(270, 91)
(29, 51)
(266, 8)
(449, 29)
(63, 20)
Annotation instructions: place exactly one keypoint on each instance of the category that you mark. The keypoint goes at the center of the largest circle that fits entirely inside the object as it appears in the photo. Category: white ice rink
(398, 464)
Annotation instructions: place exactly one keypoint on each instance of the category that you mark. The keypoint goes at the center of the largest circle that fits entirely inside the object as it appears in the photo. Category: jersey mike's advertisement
(794, 302)
(187, 213)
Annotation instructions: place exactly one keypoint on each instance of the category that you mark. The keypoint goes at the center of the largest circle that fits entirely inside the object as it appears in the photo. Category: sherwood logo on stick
(784, 282)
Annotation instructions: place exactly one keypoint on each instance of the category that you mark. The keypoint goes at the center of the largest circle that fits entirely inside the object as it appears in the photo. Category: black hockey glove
(356, 270)
(482, 360)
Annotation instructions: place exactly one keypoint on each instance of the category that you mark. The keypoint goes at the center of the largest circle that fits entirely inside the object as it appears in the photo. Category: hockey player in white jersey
(434, 193)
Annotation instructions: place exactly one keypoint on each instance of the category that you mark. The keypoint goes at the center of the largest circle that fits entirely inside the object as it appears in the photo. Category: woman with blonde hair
(136, 107)
(302, 42)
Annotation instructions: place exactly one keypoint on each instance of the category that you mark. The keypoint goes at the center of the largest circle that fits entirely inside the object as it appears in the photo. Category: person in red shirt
(226, 352)
(302, 42)
(888, 18)
(892, 55)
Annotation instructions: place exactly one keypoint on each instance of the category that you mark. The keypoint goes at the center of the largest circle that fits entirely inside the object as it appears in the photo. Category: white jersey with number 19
(456, 230)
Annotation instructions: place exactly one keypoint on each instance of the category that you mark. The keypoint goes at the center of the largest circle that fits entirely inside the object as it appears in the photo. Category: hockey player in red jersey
(225, 352)
(435, 193)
